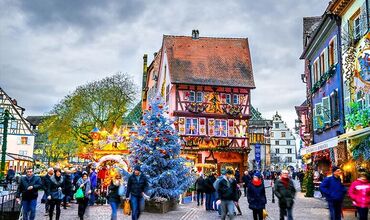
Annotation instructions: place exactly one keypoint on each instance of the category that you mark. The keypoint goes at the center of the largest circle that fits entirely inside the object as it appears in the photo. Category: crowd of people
(219, 193)
(64, 187)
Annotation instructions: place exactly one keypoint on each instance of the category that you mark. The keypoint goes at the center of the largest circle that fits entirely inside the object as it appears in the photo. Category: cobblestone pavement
(304, 208)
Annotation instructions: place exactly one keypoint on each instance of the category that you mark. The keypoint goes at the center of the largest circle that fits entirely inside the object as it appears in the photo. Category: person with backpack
(114, 194)
(54, 192)
(257, 196)
(84, 185)
(200, 187)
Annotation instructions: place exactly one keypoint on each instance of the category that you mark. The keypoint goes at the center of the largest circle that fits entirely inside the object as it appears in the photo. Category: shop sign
(333, 142)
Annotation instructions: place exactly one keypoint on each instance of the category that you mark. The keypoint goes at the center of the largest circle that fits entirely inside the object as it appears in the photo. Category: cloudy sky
(48, 47)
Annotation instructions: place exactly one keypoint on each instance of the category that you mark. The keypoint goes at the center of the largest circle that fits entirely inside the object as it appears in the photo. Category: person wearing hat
(227, 191)
(359, 191)
(285, 191)
(334, 191)
(137, 184)
(256, 196)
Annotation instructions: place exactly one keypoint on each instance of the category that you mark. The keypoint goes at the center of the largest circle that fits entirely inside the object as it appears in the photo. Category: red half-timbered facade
(206, 83)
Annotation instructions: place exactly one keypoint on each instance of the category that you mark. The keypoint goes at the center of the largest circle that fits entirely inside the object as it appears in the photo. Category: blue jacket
(333, 189)
(256, 196)
(93, 180)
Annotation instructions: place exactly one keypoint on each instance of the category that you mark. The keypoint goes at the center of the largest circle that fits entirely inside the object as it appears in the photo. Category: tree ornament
(160, 106)
(156, 139)
(150, 107)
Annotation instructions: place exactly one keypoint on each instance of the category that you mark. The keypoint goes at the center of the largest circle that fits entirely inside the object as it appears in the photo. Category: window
(283, 134)
(272, 134)
(288, 142)
(334, 106)
(356, 26)
(221, 128)
(322, 64)
(360, 99)
(276, 125)
(191, 126)
(346, 98)
(331, 53)
(228, 99)
(167, 93)
(199, 96)
(236, 99)
(24, 140)
(1, 96)
(192, 96)
(23, 152)
(13, 125)
(1, 110)
(277, 151)
(289, 159)
(276, 142)
(316, 72)
(289, 150)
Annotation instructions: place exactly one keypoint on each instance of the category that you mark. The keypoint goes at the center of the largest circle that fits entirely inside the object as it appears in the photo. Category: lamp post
(6, 117)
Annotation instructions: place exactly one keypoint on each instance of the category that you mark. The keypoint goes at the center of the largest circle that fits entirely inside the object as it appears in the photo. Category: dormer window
(228, 99)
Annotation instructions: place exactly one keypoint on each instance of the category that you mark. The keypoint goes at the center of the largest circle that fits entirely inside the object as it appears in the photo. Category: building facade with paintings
(206, 82)
(325, 89)
(20, 137)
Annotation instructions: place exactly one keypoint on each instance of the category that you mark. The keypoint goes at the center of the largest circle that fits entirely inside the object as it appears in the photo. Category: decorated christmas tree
(308, 183)
(156, 149)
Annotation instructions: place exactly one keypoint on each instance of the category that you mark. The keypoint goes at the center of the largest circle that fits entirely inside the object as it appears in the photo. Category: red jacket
(359, 191)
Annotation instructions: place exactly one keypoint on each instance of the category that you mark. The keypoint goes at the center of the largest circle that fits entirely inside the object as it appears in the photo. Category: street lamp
(4, 121)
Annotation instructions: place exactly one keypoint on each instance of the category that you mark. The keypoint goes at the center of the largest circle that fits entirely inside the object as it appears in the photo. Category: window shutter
(314, 119)
(326, 60)
(312, 74)
(211, 127)
(231, 128)
(202, 126)
(363, 20)
(19, 140)
(326, 109)
(181, 125)
(28, 140)
(336, 54)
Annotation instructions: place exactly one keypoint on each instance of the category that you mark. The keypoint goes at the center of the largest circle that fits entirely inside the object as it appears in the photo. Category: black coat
(200, 184)
(135, 187)
(25, 182)
(285, 195)
(67, 185)
(227, 191)
(246, 179)
(113, 195)
(256, 196)
(209, 185)
(54, 184)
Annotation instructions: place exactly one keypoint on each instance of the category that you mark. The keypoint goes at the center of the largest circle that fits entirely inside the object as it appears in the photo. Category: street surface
(304, 208)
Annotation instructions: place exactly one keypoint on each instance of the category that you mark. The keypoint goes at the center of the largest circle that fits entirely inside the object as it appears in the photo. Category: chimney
(195, 34)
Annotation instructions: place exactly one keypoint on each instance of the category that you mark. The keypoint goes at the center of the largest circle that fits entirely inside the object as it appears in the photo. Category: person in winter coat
(45, 183)
(285, 192)
(216, 186)
(85, 185)
(114, 198)
(94, 183)
(246, 180)
(334, 192)
(210, 191)
(28, 188)
(257, 196)
(237, 175)
(54, 191)
(67, 189)
(359, 191)
(227, 194)
(136, 186)
(200, 187)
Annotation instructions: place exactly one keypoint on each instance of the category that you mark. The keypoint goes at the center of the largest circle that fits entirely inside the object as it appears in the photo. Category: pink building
(206, 83)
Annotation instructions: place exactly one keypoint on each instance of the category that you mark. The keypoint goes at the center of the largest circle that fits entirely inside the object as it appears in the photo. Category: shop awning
(354, 134)
(332, 142)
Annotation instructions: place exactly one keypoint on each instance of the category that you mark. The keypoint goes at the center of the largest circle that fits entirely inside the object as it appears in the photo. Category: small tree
(156, 148)
(308, 183)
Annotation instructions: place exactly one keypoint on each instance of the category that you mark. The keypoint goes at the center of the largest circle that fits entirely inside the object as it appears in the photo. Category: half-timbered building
(20, 137)
(206, 82)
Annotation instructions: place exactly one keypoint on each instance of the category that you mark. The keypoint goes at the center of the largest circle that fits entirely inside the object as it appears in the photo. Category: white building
(283, 146)
(20, 138)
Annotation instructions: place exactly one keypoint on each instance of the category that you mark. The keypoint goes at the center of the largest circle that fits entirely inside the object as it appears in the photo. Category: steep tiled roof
(309, 26)
(209, 61)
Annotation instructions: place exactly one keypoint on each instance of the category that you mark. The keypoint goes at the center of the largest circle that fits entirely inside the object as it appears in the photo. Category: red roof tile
(209, 61)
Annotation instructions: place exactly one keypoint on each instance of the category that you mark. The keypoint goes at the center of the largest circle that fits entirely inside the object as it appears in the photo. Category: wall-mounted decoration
(362, 71)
